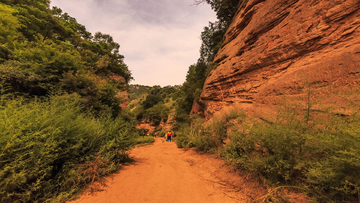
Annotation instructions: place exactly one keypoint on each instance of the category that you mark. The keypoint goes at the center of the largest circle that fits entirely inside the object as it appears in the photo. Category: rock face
(277, 48)
(123, 95)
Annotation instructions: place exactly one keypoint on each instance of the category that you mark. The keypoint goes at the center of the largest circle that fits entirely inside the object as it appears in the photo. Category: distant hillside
(152, 104)
(138, 91)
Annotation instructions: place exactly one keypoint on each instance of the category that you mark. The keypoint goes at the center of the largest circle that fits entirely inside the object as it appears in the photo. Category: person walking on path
(169, 135)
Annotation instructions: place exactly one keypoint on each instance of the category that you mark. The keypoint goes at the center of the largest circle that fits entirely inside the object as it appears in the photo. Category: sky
(159, 39)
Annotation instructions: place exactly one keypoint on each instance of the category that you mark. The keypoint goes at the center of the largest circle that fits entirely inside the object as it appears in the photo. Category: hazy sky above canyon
(160, 39)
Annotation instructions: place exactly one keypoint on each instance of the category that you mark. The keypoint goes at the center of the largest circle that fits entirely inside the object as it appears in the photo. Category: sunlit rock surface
(276, 49)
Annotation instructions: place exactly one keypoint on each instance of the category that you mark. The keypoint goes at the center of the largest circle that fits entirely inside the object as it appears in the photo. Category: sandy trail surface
(163, 173)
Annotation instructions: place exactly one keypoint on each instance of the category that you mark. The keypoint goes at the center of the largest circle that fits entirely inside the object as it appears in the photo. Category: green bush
(204, 138)
(321, 155)
(49, 150)
(313, 151)
(145, 140)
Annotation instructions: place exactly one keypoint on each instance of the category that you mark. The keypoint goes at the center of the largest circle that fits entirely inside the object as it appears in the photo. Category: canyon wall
(276, 49)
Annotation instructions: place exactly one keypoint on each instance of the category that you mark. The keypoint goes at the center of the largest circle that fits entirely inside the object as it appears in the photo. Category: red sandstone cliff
(277, 47)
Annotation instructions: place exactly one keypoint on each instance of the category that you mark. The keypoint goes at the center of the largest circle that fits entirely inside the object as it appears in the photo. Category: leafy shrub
(145, 140)
(37, 58)
(52, 149)
(313, 151)
(321, 155)
(205, 138)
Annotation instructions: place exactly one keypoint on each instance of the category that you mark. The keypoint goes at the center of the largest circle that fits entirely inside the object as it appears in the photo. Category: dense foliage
(315, 152)
(320, 155)
(43, 50)
(207, 137)
(153, 104)
(49, 150)
(225, 9)
(52, 146)
(138, 92)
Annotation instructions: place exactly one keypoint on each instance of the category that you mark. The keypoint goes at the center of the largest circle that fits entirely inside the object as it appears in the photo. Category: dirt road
(163, 173)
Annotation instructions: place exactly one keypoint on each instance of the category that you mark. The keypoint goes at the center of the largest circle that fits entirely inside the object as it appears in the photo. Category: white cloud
(160, 39)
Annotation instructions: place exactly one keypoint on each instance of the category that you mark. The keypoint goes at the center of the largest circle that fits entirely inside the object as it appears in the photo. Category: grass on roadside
(313, 152)
(144, 140)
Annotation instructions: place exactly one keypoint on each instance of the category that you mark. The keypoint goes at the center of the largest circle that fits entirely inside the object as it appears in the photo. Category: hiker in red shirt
(169, 135)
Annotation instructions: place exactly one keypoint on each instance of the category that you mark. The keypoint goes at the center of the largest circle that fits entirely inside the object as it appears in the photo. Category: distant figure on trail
(148, 134)
(169, 135)
(155, 134)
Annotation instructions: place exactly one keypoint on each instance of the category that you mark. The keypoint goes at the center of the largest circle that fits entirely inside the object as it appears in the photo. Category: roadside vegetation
(61, 124)
(312, 151)
(51, 149)
(145, 140)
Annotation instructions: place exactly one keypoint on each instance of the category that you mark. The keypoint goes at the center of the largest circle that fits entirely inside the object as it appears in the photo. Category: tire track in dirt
(164, 173)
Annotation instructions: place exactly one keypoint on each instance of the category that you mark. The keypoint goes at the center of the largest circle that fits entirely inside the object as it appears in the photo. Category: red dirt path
(164, 173)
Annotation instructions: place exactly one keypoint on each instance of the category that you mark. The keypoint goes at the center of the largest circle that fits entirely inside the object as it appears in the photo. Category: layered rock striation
(282, 48)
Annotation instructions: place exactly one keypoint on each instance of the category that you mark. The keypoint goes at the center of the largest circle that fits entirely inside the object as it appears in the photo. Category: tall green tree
(9, 31)
(212, 39)
(225, 9)
(44, 50)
